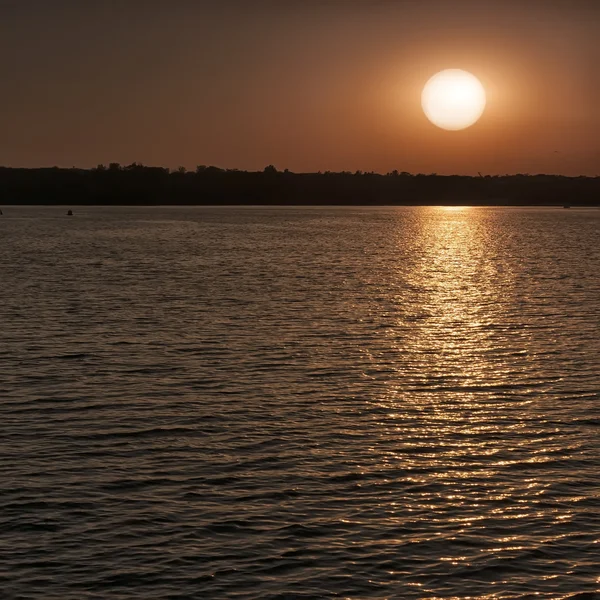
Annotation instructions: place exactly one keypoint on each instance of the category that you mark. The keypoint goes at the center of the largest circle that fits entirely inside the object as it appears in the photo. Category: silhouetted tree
(139, 184)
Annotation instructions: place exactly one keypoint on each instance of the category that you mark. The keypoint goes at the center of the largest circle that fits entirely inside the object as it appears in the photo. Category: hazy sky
(306, 85)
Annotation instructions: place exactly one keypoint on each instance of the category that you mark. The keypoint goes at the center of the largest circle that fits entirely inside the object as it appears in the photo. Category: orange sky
(307, 85)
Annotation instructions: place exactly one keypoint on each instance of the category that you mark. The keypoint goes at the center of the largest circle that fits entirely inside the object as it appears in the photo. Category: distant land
(137, 184)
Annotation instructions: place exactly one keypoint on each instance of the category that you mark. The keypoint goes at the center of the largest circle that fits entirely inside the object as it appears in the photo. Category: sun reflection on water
(462, 295)
(456, 411)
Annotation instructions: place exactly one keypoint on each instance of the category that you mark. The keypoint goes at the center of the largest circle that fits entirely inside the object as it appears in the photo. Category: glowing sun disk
(453, 99)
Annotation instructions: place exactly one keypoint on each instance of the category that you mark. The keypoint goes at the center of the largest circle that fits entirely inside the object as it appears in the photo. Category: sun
(453, 99)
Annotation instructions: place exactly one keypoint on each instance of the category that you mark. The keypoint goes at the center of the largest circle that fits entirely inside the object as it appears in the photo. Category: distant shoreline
(61, 205)
(138, 185)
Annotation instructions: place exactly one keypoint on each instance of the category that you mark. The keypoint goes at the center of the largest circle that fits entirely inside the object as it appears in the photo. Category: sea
(284, 402)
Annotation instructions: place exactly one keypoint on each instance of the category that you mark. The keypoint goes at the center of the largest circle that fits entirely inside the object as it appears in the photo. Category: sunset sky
(306, 85)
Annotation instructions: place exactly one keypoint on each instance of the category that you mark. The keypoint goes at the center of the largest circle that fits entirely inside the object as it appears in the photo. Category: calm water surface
(299, 403)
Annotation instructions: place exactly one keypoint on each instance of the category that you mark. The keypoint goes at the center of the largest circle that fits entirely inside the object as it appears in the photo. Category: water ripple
(299, 403)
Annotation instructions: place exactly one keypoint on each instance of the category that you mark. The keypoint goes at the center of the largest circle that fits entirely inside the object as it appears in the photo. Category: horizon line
(271, 169)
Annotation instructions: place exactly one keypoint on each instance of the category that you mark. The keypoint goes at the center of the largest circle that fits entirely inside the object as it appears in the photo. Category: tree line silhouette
(142, 185)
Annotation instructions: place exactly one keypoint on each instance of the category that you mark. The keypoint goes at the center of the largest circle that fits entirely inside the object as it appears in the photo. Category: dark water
(299, 403)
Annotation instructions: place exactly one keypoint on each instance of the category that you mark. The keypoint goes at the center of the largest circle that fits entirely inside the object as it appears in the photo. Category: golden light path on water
(457, 411)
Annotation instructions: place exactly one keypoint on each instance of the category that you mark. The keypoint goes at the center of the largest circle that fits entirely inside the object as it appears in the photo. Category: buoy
(70, 213)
